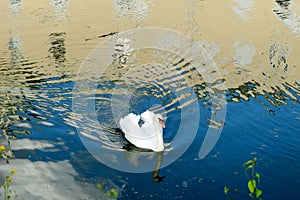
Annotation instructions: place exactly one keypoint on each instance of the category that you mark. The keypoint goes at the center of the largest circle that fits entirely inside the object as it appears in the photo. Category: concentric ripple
(134, 71)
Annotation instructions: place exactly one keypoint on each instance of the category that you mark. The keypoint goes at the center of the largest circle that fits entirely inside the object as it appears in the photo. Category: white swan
(149, 135)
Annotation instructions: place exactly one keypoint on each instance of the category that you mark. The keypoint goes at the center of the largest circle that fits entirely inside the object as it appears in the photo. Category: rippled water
(62, 154)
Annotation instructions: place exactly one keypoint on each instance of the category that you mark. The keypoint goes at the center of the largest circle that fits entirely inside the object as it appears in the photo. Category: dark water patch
(283, 3)
(101, 36)
(57, 48)
(284, 12)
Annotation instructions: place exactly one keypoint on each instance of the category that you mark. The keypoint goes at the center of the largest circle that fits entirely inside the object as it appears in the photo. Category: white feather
(148, 136)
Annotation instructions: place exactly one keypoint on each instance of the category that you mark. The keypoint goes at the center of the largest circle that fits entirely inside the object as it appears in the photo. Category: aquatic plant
(7, 191)
(9, 194)
(2, 148)
(253, 180)
(110, 194)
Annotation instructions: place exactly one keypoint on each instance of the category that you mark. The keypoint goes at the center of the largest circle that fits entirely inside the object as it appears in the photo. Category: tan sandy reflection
(227, 28)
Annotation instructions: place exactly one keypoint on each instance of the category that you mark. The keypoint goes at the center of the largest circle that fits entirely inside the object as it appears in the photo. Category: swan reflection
(144, 133)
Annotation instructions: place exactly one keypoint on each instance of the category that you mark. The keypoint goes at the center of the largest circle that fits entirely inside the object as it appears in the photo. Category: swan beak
(162, 123)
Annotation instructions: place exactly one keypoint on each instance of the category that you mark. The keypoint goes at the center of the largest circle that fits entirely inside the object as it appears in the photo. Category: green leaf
(226, 190)
(254, 160)
(249, 167)
(258, 192)
(100, 186)
(247, 163)
(251, 185)
(112, 193)
(258, 177)
(250, 162)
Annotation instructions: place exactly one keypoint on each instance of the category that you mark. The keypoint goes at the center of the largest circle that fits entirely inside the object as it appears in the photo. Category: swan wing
(129, 124)
(149, 136)
(132, 131)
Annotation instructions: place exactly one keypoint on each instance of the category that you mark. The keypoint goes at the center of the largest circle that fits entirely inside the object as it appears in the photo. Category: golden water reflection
(249, 40)
(255, 44)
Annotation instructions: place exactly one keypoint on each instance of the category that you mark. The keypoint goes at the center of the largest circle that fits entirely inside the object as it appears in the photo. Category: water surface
(254, 44)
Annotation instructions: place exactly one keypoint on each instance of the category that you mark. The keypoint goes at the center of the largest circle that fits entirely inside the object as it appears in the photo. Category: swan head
(161, 120)
(150, 117)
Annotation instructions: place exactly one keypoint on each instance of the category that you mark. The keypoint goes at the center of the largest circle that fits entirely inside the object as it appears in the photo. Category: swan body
(149, 135)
